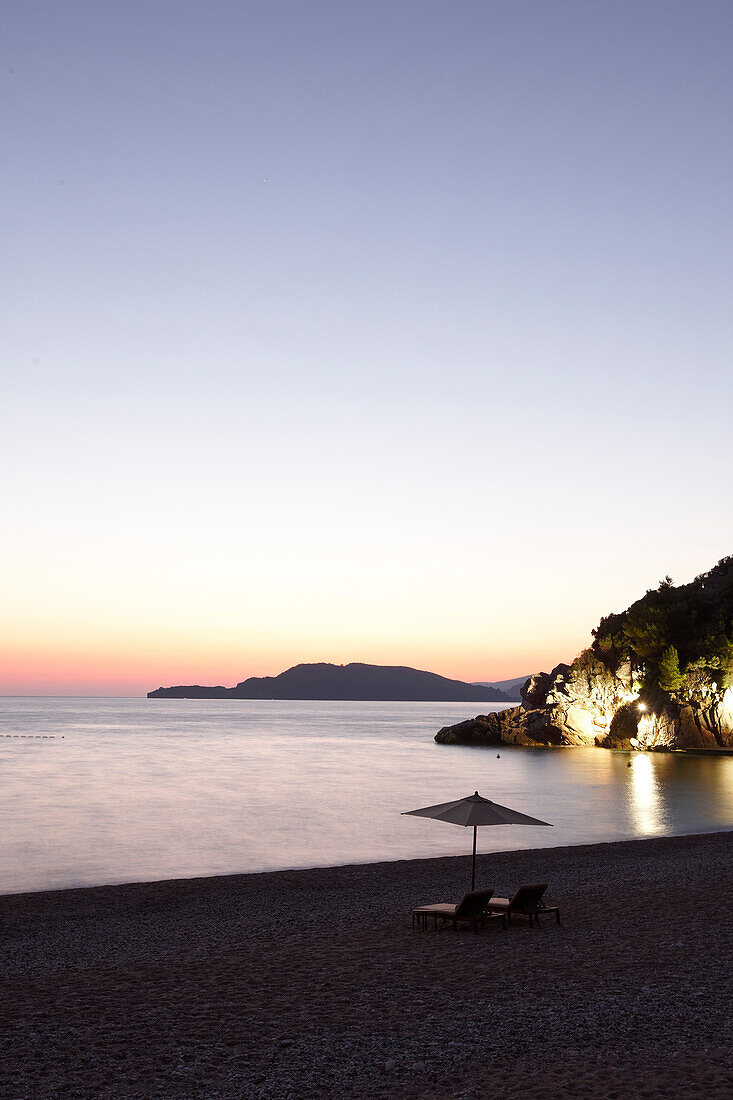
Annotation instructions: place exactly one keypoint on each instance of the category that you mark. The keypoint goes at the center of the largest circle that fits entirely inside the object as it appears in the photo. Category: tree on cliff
(647, 626)
(694, 620)
(670, 678)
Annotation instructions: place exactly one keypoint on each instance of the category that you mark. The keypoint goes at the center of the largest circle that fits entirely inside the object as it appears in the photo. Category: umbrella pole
(473, 868)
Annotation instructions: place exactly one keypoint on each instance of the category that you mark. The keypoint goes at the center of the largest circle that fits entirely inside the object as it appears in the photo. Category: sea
(101, 791)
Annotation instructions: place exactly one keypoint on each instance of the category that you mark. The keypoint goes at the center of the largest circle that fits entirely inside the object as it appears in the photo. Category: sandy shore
(312, 984)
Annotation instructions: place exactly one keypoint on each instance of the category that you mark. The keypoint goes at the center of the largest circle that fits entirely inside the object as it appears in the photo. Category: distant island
(658, 676)
(356, 682)
(511, 688)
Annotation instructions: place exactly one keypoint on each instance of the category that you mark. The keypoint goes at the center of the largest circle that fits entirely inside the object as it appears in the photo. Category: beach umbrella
(474, 810)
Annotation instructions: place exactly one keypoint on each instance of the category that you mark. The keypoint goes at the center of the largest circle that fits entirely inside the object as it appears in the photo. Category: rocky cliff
(658, 676)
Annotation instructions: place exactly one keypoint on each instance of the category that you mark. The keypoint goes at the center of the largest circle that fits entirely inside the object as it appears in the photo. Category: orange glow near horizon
(109, 670)
(91, 637)
(110, 622)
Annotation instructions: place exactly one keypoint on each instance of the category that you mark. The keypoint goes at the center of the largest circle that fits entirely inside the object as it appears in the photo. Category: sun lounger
(472, 908)
(526, 902)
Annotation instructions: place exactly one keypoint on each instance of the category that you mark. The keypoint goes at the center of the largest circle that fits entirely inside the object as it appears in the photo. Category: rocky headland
(658, 676)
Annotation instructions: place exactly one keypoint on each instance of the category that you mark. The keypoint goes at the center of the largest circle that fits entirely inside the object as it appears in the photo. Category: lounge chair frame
(526, 902)
(473, 909)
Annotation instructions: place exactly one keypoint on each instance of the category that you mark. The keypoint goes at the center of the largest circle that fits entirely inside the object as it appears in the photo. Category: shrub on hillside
(673, 633)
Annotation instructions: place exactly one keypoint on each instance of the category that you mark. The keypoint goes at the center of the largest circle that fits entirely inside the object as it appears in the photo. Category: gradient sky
(396, 332)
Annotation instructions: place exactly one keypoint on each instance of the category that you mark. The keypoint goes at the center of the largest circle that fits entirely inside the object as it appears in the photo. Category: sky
(390, 332)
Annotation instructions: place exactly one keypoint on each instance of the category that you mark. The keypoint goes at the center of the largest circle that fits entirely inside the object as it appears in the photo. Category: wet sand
(312, 983)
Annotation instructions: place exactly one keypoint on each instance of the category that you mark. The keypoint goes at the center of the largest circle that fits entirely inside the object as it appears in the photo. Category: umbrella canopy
(474, 811)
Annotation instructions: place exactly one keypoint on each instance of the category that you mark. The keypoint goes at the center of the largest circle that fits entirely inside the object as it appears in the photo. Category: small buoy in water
(498, 756)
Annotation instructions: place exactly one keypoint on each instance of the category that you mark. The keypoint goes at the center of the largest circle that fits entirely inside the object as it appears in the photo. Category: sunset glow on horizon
(414, 349)
(132, 652)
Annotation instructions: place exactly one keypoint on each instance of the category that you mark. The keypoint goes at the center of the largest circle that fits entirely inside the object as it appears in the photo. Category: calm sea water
(119, 790)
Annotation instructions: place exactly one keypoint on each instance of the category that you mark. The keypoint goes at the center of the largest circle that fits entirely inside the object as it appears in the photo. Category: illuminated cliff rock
(658, 676)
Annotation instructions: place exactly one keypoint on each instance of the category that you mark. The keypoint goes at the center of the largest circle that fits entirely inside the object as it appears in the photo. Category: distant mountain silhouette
(510, 688)
(355, 681)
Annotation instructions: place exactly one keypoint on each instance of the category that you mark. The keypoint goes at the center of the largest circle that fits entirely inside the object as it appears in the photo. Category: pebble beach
(312, 983)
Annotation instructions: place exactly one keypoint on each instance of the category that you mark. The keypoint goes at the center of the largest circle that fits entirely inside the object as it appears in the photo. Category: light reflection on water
(646, 809)
(143, 789)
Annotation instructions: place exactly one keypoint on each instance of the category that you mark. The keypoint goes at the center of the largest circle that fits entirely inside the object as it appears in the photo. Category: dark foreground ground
(312, 984)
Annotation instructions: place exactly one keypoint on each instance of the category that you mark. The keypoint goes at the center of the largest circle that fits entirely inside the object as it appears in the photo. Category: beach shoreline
(243, 877)
(311, 982)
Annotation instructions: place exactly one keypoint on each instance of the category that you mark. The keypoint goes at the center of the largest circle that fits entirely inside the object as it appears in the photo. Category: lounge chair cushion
(442, 909)
(472, 906)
